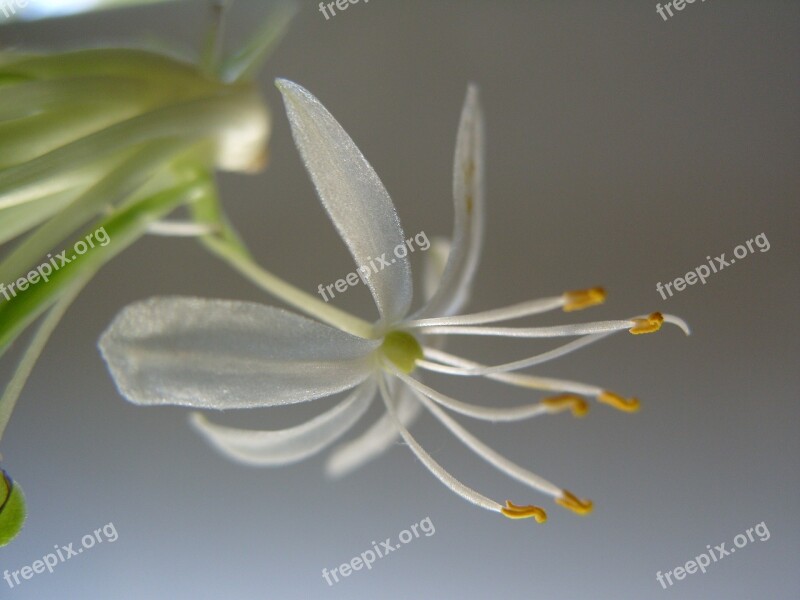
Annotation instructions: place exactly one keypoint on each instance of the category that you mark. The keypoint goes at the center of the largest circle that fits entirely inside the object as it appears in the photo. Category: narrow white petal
(356, 200)
(380, 436)
(434, 467)
(286, 446)
(223, 354)
(469, 206)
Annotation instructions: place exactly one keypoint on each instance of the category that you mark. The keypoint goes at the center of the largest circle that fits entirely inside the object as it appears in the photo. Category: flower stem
(227, 245)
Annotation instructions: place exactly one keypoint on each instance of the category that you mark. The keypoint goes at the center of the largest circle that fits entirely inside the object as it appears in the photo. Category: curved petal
(356, 200)
(469, 206)
(286, 446)
(381, 435)
(224, 354)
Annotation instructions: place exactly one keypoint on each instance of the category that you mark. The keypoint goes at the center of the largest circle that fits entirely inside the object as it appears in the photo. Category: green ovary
(402, 349)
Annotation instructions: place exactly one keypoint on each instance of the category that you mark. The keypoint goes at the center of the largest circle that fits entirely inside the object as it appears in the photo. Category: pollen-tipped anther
(649, 324)
(575, 504)
(514, 511)
(562, 402)
(619, 402)
(580, 299)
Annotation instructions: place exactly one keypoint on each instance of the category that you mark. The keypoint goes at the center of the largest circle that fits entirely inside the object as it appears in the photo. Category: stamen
(560, 351)
(527, 362)
(514, 511)
(619, 402)
(575, 504)
(576, 404)
(515, 311)
(539, 332)
(516, 379)
(570, 400)
(649, 324)
(434, 467)
(490, 455)
(485, 413)
(580, 299)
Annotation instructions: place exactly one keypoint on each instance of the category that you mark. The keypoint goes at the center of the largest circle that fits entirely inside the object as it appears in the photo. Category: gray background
(622, 150)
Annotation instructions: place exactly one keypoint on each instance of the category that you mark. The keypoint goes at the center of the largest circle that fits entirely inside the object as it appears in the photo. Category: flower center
(402, 349)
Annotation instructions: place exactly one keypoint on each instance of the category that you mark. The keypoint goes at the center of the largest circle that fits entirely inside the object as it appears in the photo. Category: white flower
(221, 354)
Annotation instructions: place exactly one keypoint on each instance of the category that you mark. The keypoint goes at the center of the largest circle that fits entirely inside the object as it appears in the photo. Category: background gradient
(622, 150)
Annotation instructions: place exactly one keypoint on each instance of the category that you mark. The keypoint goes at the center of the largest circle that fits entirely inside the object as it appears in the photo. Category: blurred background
(622, 150)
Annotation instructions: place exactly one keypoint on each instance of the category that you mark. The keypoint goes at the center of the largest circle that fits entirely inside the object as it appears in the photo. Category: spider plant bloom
(215, 354)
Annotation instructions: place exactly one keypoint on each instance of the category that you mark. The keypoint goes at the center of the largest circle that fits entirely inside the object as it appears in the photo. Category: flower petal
(356, 200)
(225, 354)
(469, 199)
(381, 435)
(286, 446)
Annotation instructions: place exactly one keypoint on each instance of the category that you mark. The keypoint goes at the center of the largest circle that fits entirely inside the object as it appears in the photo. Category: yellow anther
(618, 402)
(649, 324)
(576, 404)
(575, 504)
(513, 511)
(580, 299)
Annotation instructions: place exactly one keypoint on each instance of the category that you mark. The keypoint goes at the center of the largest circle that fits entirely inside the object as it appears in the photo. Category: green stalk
(227, 245)
(123, 228)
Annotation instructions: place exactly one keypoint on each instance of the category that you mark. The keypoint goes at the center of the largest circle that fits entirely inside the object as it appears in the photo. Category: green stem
(227, 245)
(123, 228)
